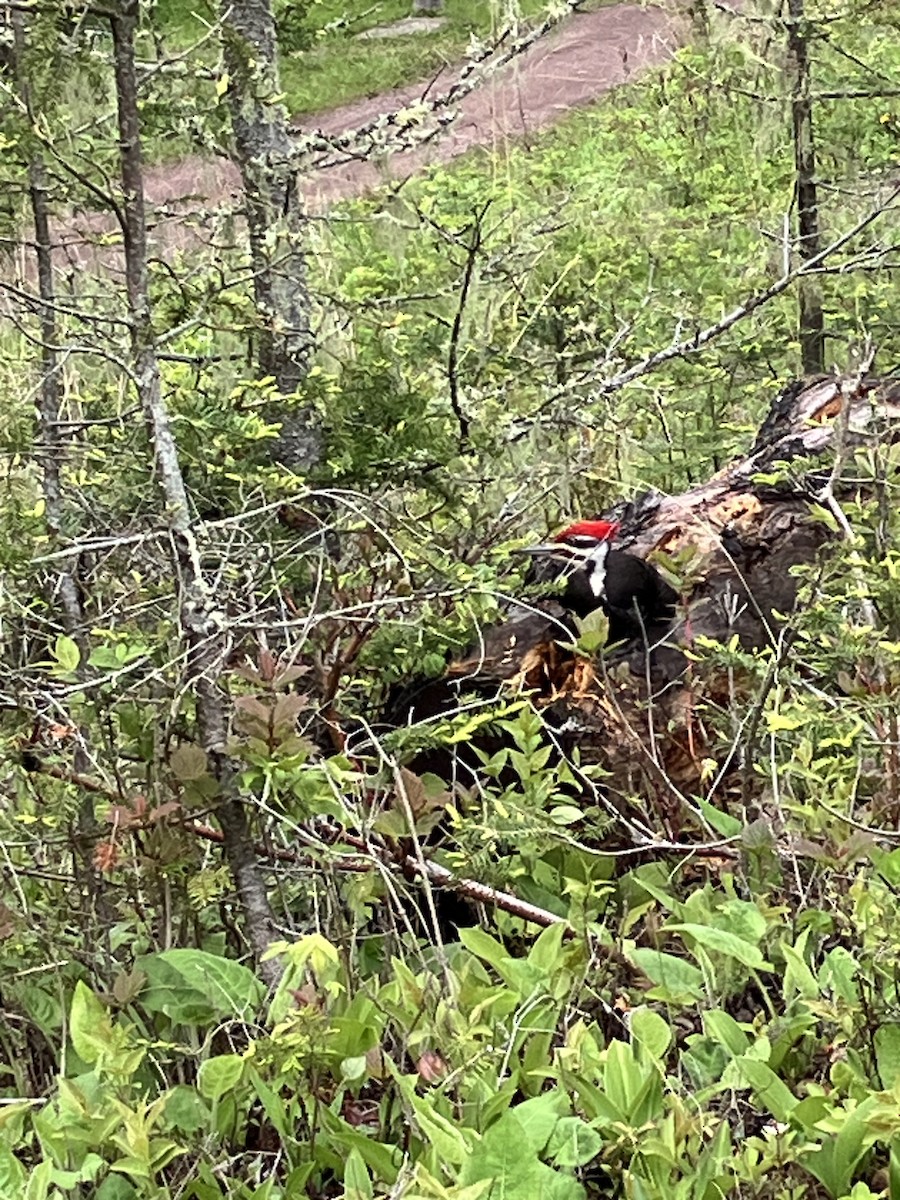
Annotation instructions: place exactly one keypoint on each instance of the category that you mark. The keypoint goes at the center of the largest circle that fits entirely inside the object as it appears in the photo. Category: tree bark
(202, 627)
(275, 215)
(811, 319)
(51, 449)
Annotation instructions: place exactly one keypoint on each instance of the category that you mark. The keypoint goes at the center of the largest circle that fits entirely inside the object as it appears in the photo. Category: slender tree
(63, 592)
(202, 626)
(811, 318)
(276, 219)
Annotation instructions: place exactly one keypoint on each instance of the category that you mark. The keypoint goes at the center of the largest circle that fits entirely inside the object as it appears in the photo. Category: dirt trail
(586, 56)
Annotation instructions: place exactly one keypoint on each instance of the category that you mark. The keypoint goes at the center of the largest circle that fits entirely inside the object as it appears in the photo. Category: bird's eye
(582, 541)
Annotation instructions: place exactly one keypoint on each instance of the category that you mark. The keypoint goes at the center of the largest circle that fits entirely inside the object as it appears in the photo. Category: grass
(338, 68)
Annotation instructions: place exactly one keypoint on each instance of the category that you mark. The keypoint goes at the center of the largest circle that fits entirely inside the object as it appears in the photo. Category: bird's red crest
(603, 531)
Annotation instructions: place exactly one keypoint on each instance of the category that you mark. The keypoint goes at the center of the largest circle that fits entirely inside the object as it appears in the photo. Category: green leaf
(722, 822)
(66, 653)
(357, 1184)
(185, 1111)
(194, 987)
(484, 946)
(12, 1177)
(452, 1143)
(219, 1075)
(507, 1156)
(767, 1087)
(724, 1029)
(593, 628)
(116, 1187)
(724, 942)
(573, 1143)
(798, 976)
(887, 1054)
(565, 814)
(651, 1032)
(538, 1117)
(622, 1076)
(894, 1171)
(676, 980)
(89, 1025)
(547, 951)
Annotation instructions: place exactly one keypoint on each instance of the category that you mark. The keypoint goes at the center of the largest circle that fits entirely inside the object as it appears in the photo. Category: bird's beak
(544, 548)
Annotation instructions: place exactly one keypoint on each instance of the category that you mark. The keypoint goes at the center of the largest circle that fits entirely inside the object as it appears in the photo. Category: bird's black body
(634, 597)
(631, 592)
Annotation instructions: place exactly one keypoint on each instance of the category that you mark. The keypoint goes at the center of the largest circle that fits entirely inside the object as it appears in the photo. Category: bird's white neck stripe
(595, 565)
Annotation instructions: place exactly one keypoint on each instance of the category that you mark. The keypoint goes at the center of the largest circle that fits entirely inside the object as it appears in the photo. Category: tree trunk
(811, 317)
(275, 215)
(202, 628)
(50, 452)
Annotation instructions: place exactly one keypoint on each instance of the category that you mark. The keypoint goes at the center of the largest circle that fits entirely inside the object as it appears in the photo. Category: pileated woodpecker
(631, 592)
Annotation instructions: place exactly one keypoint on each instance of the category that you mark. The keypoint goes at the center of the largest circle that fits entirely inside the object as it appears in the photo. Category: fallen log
(638, 711)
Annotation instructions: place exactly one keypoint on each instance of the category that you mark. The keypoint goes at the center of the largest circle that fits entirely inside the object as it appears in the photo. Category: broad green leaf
(573, 1143)
(839, 973)
(724, 1029)
(565, 814)
(722, 822)
(219, 1075)
(66, 653)
(651, 1031)
(12, 1177)
(723, 942)
(538, 1117)
(185, 1110)
(383, 1161)
(623, 1076)
(357, 1184)
(771, 1091)
(117, 1187)
(505, 1156)
(547, 951)
(894, 1171)
(596, 1104)
(676, 980)
(452, 1143)
(887, 1054)
(484, 946)
(89, 1025)
(194, 987)
(798, 976)
(353, 1067)
(835, 1162)
(649, 878)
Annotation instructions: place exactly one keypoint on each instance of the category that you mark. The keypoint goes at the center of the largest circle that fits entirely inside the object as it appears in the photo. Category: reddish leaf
(432, 1066)
(163, 810)
(128, 814)
(287, 709)
(8, 921)
(106, 857)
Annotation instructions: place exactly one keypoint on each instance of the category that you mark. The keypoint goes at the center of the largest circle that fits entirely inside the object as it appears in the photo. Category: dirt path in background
(583, 58)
